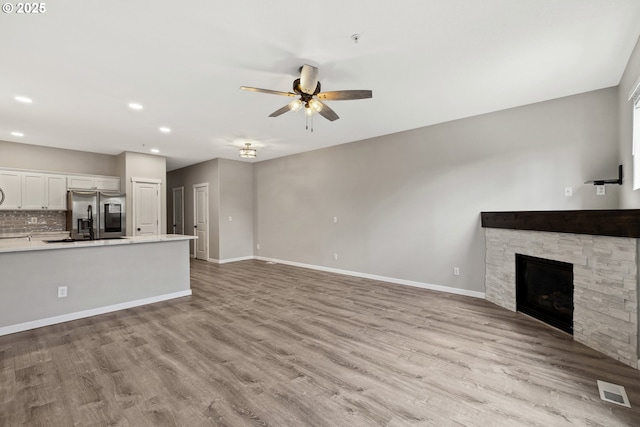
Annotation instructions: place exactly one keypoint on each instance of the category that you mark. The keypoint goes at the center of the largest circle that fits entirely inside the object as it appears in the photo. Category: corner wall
(200, 173)
(408, 205)
(629, 199)
(140, 165)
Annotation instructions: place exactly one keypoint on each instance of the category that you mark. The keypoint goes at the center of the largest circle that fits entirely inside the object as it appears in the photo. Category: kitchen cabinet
(43, 191)
(27, 190)
(101, 183)
(11, 186)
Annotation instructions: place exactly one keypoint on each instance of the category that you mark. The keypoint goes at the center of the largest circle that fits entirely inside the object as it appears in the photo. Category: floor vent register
(613, 393)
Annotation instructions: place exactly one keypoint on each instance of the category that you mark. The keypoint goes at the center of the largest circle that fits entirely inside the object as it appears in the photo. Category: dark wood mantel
(617, 223)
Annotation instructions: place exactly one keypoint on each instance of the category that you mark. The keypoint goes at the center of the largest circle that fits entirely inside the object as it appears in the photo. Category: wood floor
(261, 344)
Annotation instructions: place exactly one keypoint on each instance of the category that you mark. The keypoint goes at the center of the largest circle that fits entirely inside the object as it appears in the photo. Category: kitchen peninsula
(98, 276)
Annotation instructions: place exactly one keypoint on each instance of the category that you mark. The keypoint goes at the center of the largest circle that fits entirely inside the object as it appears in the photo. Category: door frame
(173, 202)
(138, 180)
(195, 218)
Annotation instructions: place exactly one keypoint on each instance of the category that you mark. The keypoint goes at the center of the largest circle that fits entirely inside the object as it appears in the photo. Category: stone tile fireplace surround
(605, 269)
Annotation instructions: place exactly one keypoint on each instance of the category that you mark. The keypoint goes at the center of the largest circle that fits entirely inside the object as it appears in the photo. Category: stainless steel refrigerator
(95, 215)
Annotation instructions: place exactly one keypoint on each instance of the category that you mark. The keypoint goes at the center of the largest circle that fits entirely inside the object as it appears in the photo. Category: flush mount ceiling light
(23, 99)
(17, 133)
(165, 129)
(247, 152)
(154, 150)
(135, 106)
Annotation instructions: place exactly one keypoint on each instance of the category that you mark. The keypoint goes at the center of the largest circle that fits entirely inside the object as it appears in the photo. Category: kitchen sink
(69, 240)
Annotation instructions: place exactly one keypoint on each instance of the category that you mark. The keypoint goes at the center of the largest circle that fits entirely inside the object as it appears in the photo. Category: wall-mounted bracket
(608, 181)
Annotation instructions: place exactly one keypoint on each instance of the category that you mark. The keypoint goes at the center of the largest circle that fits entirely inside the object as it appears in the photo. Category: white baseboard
(12, 329)
(432, 287)
(224, 261)
(244, 258)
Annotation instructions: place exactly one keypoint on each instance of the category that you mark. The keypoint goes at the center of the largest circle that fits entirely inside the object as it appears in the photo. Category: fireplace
(544, 290)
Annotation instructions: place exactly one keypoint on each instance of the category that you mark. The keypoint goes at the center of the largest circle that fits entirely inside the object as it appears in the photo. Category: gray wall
(628, 198)
(35, 157)
(205, 172)
(236, 201)
(230, 195)
(138, 165)
(408, 204)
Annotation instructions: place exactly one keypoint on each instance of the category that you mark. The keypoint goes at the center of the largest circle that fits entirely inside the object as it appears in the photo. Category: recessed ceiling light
(135, 106)
(23, 99)
(165, 129)
(17, 133)
(155, 150)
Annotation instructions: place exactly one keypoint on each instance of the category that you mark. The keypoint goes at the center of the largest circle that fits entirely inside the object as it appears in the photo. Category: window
(635, 97)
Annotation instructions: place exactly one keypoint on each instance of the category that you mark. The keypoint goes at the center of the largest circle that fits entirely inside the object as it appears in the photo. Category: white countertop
(21, 245)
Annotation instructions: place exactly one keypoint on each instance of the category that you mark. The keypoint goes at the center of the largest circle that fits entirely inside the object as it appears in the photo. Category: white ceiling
(427, 61)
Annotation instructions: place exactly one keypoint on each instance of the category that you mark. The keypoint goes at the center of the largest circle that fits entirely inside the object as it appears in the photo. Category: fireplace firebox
(544, 290)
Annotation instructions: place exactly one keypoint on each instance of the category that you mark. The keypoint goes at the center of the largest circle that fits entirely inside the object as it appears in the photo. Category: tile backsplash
(32, 221)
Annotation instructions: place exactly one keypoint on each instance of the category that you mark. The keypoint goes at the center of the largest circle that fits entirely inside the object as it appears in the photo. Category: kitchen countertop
(23, 245)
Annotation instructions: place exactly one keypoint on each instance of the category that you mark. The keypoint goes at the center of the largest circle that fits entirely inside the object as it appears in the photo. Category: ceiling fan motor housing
(305, 96)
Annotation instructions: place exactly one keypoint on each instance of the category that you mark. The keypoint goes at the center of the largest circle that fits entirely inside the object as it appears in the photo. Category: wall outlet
(456, 271)
(258, 246)
(335, 219)
(600, 190)
(568, 191)
(33, 220)
(62, 291)
(335, 257)
(230, 218)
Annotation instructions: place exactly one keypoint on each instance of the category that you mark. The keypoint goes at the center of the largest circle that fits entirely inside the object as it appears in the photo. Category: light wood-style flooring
(260, 344)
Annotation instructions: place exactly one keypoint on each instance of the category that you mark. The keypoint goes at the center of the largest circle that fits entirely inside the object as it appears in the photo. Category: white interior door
(178, 210)
(146, 205)
(201, 220)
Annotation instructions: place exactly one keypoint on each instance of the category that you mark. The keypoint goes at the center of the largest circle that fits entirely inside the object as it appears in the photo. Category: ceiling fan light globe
(309, 111)
(315, 105)
(295, 105)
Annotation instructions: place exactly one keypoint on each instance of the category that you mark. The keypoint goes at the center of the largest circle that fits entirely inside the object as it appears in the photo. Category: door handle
(195, 226)
(139, 229)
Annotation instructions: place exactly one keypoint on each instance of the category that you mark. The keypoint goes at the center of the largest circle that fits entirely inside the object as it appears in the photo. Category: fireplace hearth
(605, 275)
(544, 290)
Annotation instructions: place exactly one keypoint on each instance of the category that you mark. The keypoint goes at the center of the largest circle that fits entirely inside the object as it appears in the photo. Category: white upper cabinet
(47, 191)
(32, 191)
(55, 188)
(80, 183)
(43, 191)
(108, 184)
(101, 183)
(10, 190)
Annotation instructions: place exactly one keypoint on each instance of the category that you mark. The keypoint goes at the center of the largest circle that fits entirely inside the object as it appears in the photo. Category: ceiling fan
(307, 91)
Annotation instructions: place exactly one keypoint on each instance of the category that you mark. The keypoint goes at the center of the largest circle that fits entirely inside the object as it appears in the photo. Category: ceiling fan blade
(327, 112)
(272, 92)
(308, 79)
(280, 111)
(344, 95)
